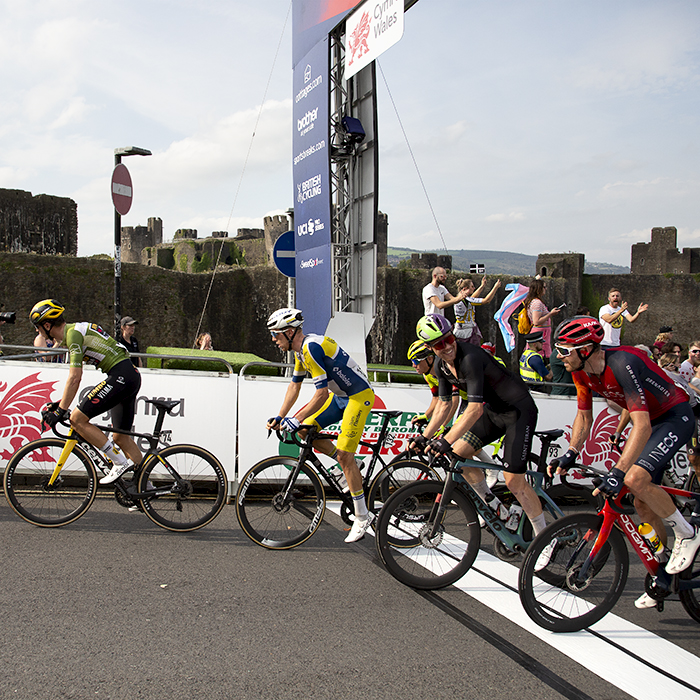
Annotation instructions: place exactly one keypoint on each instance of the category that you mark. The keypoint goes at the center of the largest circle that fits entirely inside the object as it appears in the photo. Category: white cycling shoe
(359, 527)
(645, 601)
(684, 549)
(115, 472)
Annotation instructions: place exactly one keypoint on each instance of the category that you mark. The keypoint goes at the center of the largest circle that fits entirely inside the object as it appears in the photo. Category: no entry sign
(122, 191)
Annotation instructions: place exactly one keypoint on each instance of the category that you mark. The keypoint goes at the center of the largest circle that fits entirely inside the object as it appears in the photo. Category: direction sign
(122, 191)
(284, 255)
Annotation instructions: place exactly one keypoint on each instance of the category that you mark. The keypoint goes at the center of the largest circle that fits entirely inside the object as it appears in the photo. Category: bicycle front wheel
(420, 552)
(26, 483)
(194, 501)
(554, 591)
(268, 517)
(690, 597)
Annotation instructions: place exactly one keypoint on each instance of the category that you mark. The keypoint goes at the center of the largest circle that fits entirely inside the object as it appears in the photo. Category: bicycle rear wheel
(264, 514)
(26, 483)
(404, 543)
(551, 591)
(394, 476)
(195, 502)
(690, 597)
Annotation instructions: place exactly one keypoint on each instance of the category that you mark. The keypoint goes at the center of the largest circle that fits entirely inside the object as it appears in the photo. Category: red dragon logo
(357, 42)
(20, 411)
(597, 450)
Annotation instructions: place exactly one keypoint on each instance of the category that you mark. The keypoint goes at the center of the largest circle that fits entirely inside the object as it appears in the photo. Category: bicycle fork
(70, 443)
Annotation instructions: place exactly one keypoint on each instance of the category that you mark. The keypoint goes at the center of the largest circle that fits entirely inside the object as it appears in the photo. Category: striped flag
(518, 292)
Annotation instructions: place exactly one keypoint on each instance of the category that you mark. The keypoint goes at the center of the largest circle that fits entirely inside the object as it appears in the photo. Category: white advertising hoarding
(372, 28)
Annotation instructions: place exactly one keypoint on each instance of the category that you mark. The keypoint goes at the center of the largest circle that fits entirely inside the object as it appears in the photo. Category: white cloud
(509, 218)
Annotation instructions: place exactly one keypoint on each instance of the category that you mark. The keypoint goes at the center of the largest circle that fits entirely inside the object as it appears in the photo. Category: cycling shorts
(351, 412)
(116, 393)
(516, 427)
(669, 432)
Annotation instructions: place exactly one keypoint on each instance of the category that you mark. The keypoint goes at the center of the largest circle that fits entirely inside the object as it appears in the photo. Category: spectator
(532, 367)
(204, 342)
(41, 342)
(560, 375)
(610, 316)
(673, 348)
(540, 317)
(436, 298)
(465, 313)
(689, 368)
(125, 338)
(663, 338)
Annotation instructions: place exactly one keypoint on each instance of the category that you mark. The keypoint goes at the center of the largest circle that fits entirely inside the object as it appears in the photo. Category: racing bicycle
(53, 481)
(575, 571)
(428, 533)
(281, 500)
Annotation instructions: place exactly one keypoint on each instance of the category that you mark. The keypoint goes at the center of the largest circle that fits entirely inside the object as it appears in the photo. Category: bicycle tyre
(26, 483)
(419, 562)
(265, 519)
(551, 597)
(394, 476)
(690, 597)
(205, 493)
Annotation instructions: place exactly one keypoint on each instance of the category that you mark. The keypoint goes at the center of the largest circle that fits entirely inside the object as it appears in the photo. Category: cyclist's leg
(123, 418)
(331, 412)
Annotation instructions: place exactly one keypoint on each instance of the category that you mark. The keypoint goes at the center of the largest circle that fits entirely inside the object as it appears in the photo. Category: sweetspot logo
(312, 262)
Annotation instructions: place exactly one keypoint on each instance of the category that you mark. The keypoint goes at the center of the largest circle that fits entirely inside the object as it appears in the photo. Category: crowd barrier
(226, 413)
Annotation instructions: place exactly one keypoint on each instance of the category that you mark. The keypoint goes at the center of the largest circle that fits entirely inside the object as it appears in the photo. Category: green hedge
(236, 359)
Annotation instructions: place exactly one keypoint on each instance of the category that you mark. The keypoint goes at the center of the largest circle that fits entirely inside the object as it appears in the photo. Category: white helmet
(284, 318)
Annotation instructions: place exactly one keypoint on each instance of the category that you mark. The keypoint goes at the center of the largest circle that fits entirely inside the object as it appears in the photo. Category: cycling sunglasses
(443, 342)
(565, 352)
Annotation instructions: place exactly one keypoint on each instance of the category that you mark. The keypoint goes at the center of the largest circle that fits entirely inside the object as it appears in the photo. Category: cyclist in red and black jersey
(662, 422)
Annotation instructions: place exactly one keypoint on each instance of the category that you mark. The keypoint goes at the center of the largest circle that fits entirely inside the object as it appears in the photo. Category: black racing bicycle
(53, 481)
(281, 501)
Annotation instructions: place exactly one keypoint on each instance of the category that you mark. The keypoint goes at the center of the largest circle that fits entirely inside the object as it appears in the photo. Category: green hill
(498, 262)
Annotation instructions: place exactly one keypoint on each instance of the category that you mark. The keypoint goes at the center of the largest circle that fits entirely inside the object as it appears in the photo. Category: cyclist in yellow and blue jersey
(343, 393)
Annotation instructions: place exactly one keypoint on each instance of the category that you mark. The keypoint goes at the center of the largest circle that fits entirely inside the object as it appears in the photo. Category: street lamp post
(118, 153)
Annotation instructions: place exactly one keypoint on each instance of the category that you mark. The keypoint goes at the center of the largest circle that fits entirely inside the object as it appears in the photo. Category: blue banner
(312, 200)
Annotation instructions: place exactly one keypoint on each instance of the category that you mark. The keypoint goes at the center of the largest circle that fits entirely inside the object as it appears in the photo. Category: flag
(518, 292)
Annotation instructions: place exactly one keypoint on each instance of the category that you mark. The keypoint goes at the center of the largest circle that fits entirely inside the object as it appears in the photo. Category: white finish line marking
(605, 660)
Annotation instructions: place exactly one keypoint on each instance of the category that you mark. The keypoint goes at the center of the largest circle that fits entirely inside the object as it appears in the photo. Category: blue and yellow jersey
(330, 366)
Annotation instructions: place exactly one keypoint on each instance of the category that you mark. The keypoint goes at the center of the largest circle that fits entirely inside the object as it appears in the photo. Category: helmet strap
(584, 357)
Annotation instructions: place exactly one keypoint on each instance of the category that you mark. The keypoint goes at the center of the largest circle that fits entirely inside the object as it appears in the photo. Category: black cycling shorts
(669, 432)
(116, 393)
(518, 427)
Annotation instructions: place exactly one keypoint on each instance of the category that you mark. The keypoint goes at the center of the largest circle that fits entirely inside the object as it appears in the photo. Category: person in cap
(532, 366)
(125, 338)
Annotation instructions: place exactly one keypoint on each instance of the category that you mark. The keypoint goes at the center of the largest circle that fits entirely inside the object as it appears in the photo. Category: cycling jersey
(433, 382)
(632, 381)
(330, 366)
(87, 343)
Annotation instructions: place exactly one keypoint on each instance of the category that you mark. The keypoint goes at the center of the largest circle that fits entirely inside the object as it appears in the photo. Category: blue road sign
(283, 254)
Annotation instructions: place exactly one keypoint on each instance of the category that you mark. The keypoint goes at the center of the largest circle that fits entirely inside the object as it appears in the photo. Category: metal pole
(117, 261)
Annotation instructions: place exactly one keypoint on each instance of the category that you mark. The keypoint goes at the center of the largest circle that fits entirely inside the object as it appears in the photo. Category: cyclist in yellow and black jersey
(87, 343)
(343, 393)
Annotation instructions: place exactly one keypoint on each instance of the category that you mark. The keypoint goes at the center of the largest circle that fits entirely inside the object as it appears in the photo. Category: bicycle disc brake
(436, 540)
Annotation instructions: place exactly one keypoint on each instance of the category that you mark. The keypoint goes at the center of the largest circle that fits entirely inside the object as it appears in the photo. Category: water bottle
(495, 504)
(337, 472)
(652, 539)
(514, 515)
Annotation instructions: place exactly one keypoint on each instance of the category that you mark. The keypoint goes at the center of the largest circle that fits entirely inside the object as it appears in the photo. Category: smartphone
(562, 306)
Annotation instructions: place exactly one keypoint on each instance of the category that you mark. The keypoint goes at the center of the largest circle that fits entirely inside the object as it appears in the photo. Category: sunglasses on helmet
(443, 342)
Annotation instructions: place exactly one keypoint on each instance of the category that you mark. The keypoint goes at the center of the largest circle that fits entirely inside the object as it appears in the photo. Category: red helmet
(579, 330)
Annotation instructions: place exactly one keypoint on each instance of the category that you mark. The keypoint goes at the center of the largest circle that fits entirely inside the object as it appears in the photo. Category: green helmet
(432, 327)
(419, 351)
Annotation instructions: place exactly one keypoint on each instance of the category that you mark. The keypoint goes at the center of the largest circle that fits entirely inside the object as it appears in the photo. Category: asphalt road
(112, 606)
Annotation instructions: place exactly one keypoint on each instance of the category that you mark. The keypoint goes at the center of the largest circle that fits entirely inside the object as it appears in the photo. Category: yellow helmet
(419, 351)
(46, 310)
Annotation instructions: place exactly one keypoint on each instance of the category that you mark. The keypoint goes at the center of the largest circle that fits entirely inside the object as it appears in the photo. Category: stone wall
(661, 255)
(168, 304)
(41, 224)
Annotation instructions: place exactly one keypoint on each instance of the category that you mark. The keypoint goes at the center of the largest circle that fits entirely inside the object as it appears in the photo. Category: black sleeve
(471, 370)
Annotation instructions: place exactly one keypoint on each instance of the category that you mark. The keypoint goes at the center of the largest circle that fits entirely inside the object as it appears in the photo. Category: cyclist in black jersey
(88, 343)
(662, 422)
(499, 405)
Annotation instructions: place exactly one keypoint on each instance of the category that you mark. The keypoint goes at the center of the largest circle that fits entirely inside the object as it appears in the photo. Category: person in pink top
(540, 316)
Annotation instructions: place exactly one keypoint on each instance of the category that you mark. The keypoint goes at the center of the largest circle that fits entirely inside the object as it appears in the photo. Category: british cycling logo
(311, 262)
(20, 412)
(309, 188)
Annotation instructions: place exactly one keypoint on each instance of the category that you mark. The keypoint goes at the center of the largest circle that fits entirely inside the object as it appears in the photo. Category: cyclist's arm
(317, 400)
(75, 374)
(581, 429)
(471, 414)
(290, 398)
(638, 438)
(440, 414)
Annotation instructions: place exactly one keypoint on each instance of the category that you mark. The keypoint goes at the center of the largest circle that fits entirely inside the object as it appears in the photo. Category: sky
(536, 126)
